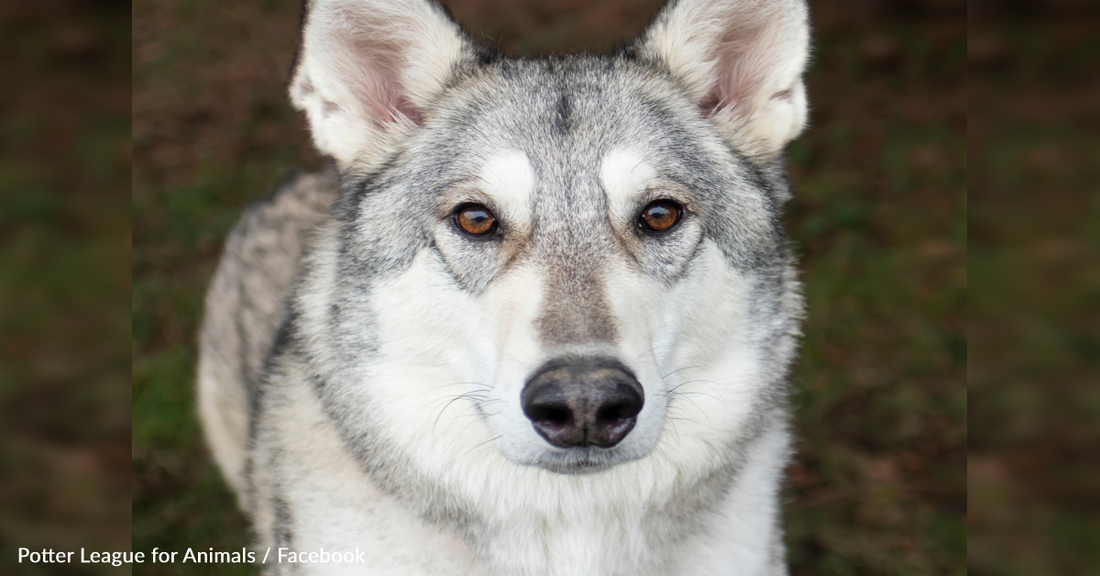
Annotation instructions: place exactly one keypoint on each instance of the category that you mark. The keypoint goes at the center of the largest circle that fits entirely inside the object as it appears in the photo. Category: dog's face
(546, 256)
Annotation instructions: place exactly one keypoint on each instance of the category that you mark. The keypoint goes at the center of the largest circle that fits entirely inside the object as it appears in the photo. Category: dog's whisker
(680, 370)
(494, 438)
(654, 349)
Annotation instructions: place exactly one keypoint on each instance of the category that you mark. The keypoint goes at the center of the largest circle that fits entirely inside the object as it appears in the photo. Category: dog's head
(551, 256)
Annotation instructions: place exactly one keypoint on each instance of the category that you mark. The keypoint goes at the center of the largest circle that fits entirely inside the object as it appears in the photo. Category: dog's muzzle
(581, 402)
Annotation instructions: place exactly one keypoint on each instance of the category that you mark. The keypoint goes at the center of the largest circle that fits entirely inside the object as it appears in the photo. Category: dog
(538, 318)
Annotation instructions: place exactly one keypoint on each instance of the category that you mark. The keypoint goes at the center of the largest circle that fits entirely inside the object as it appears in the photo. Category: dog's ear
(366, 68)
(742, 62)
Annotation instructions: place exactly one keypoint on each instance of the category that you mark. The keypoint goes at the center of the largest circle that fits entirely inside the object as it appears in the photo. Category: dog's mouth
(587, 460)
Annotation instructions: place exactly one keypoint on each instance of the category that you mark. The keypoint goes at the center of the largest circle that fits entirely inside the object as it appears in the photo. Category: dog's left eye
(475, 219)
(660, 215)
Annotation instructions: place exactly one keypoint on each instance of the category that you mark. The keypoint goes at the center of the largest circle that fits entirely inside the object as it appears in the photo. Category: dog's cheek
(711, 307)
(422, 313)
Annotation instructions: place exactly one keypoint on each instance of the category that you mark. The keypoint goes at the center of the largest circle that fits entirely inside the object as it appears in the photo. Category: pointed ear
(742, 62)
(365, 70)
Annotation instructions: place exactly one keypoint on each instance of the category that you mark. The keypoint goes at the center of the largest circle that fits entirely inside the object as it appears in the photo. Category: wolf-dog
(538, 318)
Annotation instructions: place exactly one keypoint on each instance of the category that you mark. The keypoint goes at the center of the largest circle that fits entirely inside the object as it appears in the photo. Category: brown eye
(475, 219)
(660, 215)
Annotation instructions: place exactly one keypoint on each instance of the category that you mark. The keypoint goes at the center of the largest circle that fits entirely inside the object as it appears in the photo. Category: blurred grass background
(880, 218)
(1033, 469)
(64, 281)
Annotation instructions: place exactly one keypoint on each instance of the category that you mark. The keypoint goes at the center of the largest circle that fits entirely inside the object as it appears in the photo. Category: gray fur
(294, 332)
(247, 304)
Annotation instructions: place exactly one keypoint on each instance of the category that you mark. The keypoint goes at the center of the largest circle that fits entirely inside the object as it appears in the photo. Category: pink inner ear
(378, 83)
(406, 107)
(386, 105)
(738, 69)
(728, 84)
(710, 104)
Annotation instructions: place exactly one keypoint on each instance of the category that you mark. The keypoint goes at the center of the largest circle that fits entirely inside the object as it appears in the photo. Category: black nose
(583, 402)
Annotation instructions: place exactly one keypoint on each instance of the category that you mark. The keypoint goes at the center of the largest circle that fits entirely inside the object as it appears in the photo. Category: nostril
(550, 415)
(615, 413)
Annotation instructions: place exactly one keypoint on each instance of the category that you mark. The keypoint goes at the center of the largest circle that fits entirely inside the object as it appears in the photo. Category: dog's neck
(631, 519)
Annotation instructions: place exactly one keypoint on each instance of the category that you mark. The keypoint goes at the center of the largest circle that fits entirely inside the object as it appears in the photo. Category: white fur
(226, 430)
(742, 60)
(624, 175)
(343, 511)
(366, 70)
(509, 180)
(609, 522)
(440, 342)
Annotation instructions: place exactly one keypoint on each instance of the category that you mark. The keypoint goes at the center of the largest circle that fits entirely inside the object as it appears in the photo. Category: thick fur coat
(367, 360)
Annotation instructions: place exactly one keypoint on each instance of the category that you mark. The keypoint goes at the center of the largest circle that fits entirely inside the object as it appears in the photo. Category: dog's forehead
(584, 100)
(569, 110)
(574, 122)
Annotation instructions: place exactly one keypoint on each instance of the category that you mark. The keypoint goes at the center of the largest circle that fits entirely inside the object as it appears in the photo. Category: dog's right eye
(475, 219)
